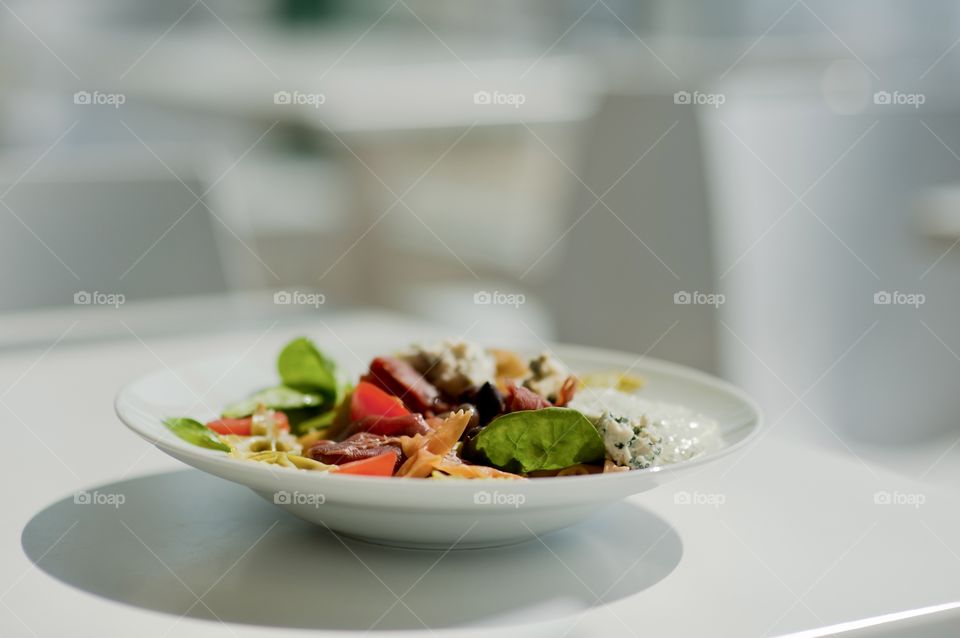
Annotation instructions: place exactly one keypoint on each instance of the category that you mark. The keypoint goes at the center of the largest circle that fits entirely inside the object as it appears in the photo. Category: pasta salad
(450, 410)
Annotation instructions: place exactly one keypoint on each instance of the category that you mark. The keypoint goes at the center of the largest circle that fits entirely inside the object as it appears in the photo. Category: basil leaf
(546, 439)
(276, 398)
(303, 367)
(196, 433)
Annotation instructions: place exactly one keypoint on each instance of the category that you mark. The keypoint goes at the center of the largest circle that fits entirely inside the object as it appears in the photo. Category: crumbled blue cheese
(547, 375)
(628, 443)
(454, 366)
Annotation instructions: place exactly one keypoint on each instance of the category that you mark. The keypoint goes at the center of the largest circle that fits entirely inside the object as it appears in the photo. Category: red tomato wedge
(242, 427)
(369, 400)
(381, 465)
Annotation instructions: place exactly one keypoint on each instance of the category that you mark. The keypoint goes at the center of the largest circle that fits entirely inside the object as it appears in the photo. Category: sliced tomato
(369, 400)
(243, 427)
(380, 465)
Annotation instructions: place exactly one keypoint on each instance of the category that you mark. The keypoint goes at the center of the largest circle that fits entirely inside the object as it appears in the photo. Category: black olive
(469, 452)
(489, 402)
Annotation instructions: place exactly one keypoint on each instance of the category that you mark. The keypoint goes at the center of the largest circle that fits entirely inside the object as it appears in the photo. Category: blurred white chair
(618, 271)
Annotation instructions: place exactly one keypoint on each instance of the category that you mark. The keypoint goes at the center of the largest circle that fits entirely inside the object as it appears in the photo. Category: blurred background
(765, 190)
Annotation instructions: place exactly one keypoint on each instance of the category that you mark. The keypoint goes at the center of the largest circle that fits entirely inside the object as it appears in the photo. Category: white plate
(426, 513)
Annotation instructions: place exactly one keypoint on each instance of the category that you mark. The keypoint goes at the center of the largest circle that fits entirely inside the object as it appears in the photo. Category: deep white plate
(427, 513)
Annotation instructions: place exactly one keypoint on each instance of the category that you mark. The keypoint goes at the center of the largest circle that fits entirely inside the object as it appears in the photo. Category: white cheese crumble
(628, 444)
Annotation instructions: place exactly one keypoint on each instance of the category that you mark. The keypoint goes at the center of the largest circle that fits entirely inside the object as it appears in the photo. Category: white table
(797, 541)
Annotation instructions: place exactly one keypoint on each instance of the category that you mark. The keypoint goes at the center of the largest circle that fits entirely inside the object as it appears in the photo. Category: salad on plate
(451, 410)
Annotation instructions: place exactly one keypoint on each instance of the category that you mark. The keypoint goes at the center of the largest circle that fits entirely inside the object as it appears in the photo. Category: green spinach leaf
(546, 439)
(196, 433)
(303, 367)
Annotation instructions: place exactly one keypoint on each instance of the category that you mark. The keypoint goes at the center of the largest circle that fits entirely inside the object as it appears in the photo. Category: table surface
(792, 533)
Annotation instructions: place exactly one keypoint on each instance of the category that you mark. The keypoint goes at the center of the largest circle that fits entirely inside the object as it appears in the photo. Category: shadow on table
(182, 536)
